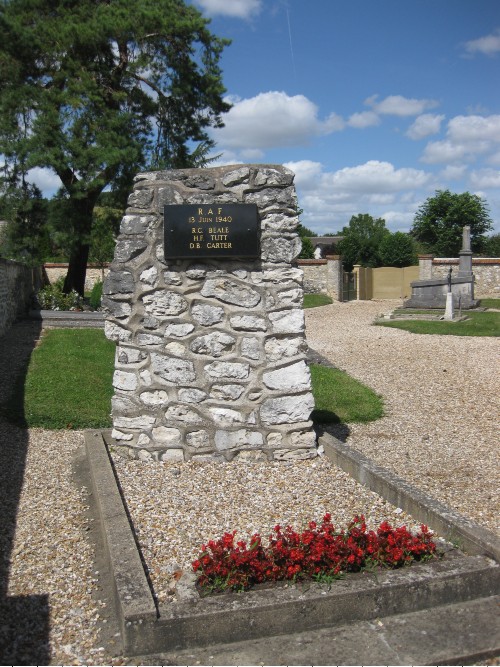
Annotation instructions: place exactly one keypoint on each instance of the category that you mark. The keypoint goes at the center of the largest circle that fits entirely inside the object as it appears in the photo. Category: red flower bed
(315, 553)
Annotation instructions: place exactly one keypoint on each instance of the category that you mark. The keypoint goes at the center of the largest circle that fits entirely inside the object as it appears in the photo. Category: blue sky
(374, 104)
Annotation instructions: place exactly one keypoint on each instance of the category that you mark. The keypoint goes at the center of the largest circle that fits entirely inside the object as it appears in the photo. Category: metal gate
(349, 291)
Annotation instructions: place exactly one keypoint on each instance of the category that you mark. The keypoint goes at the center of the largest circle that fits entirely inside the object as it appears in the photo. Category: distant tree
(307, 251)
(305, 231)
(96, 90)
(439, 222)
(361, 241)
(25, 238)
(398, 250)
(491, 246)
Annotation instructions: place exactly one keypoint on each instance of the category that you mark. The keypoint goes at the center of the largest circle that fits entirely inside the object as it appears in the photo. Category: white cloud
(425, 125)
(488, 45)
(242, 9)
(271, 120)
(363, 119)
(45, 179)
(453, 172)
(466, 137)
(485, 178)
(377, 177)
(397, 105)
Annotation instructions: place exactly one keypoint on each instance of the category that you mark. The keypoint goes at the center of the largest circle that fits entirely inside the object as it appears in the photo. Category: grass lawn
(476, 324)
(69, 382)
(69, 385)
(490, 303)
(339, 398)
(315, 300)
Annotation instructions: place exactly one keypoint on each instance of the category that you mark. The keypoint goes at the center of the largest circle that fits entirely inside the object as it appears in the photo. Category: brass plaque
(211, 230)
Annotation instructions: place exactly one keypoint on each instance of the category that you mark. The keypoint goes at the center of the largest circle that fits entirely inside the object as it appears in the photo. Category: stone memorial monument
(206, 310)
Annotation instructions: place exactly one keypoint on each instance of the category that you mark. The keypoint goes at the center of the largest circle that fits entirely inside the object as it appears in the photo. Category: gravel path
(440, 432)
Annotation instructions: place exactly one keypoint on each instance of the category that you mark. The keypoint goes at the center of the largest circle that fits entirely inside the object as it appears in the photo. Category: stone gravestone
(206, 310)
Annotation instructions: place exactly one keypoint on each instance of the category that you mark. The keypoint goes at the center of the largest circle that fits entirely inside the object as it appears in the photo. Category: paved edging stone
(199, 622)
(451, 525)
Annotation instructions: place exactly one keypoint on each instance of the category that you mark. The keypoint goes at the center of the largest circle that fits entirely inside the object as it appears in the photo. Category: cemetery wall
(16, 290)
(54, 271)
(486, 272)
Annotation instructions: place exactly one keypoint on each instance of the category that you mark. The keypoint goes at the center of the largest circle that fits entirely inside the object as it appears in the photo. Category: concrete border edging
(449, 524)
(199, 622)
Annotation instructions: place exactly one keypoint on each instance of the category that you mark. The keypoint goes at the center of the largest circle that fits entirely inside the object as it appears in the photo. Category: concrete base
(448, 312)
(359, 600)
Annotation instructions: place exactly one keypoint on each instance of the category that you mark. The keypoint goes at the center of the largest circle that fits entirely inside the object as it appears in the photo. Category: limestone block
(287, 409)
(149, 276)
(294, 378)
(196, 271)
(269, 176)
(274, 439)
(231, 292)
(287, 321)
(118, 282)
(183, 414)
(166, 435)
(282, 274)
(172, 369)
(146, 379)
(154, 399)
(200, 181)
(225, 369)
(250, 456)
(125, 381)
(119, 435)
(169, 195)
(198, 439)
(250, 348)
(118, 309)
(303, 439)
(142, 422)
(269, 198)
(136, 224)
(150, 322)
(278, 348)
(164, 304)
(226, 416)
(279, 250)
(147, 340)
(143, 440)
(294, 454)
(225, 440)
(175, 348)
(145, 456)
(191, 395)
(140, 198)
(207, 315)
(214, 344)
(173, 456)
(179, 330)
(236, 177)
(172, 278)
(130, 355)
(291, 297)
(280, 223)
(226, 392)
(128, 249)
(247, 323)
(114, 332)
(123, 405)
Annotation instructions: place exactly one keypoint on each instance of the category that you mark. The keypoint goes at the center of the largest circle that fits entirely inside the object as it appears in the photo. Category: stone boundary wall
(54, 271)
(486, 272)
(211, 354)
(17, 285)
(323, 276)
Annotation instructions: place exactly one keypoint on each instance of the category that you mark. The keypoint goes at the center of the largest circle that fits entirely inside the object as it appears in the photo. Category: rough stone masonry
(211, 353)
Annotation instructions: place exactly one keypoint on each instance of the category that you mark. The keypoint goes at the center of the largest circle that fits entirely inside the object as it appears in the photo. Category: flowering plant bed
(317, 553)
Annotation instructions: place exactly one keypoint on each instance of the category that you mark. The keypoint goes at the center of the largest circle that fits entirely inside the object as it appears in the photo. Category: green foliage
(96, 91)
(307, 251)
(398, 250)
(96, 295)
(315, 300)
(52, 297)
(340, 398)
(361, 242)
(491, 246)
(69, 382)
(476, 324)
(304, 232)
(490, 303)
(439, 222)
(26, 238)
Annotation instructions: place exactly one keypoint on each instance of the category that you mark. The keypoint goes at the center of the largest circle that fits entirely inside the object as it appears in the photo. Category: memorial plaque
(211, 230)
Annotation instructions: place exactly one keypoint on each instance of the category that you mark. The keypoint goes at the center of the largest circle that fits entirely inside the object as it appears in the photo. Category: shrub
(52, 297)
(96, 296)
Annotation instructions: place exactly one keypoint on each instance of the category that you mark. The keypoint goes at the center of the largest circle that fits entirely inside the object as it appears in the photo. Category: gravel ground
(440, 432)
